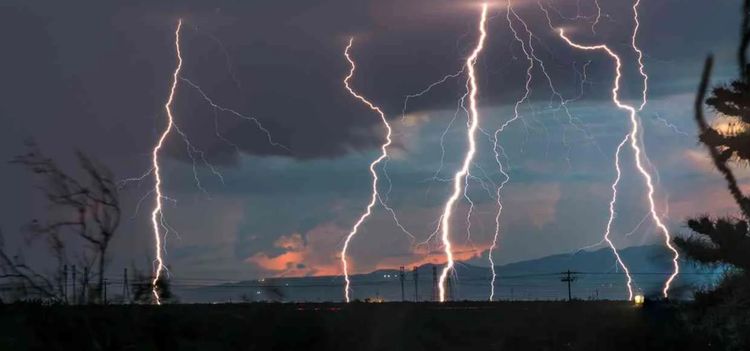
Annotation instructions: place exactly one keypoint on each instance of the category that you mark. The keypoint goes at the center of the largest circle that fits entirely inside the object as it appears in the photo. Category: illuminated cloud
(315, 253)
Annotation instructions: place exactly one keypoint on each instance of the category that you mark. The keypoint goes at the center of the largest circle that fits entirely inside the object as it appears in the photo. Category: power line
(514, 276)
(335, 282)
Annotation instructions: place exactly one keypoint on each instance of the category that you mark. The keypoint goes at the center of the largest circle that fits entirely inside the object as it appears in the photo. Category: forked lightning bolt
(383, 155)
(160, 226)
(157, 216)
(634, 137)
(458, 178)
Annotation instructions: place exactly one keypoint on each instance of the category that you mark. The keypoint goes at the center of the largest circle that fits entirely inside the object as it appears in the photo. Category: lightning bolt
(634, 137)
(225, 52)
(157, 216)
(613, 214)
(641, 68)
(573, 121)
(428, 88)
(516, 116)
(669, 125)
(217, 107)
(527, 48)
(160, 226)
(596, 16)
(436, 176)
(458, 178)
(383, 155)
(384, 199)
(459, 106)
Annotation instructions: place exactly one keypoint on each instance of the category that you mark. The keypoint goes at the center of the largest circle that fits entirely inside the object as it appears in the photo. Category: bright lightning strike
(458, 179)
(384, 199)
(634, 137)
(160, 226)
(384, 155)
(157, 216)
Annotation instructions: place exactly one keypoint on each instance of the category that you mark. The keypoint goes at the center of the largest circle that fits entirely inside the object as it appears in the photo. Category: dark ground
(357, 326)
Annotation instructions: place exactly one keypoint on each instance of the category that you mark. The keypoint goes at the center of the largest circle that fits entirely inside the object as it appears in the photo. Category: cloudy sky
(94, 77)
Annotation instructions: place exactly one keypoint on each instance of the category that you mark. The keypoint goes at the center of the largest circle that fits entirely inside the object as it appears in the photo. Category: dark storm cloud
(106, 68)
(95, 77)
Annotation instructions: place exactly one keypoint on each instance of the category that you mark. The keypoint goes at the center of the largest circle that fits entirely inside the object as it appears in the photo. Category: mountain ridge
(597, 273)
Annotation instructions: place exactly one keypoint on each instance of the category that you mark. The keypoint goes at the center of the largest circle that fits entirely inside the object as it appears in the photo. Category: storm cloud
(95, 75)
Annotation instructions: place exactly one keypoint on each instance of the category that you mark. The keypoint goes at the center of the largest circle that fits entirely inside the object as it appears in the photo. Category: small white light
(639, 299)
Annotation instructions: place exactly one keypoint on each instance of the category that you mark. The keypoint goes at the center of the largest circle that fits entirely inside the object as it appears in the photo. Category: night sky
(94, 77)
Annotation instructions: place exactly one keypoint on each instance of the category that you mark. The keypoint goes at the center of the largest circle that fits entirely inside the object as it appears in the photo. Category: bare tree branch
(89, 206)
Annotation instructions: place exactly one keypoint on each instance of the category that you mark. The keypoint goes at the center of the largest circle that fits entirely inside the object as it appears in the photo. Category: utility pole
(434, 284)
(75, 296)
(568, 278)
(416, 284)
(104, 291)
(85, 292)
(401, 277)
(125, 287)
(65, 283)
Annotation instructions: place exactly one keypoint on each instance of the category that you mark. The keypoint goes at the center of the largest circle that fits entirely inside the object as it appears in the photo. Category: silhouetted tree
(87, 207)
(723, 314)
(721, 241)
(725, 240)
(23, 280)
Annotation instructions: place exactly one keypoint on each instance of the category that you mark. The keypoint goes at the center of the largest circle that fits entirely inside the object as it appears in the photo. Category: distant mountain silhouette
(597, 277)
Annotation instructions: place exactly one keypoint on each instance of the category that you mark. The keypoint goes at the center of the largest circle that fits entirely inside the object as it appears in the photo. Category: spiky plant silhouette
(725, 240)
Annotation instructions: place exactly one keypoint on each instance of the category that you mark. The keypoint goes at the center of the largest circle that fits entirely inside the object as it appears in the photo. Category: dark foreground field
(358, 326)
